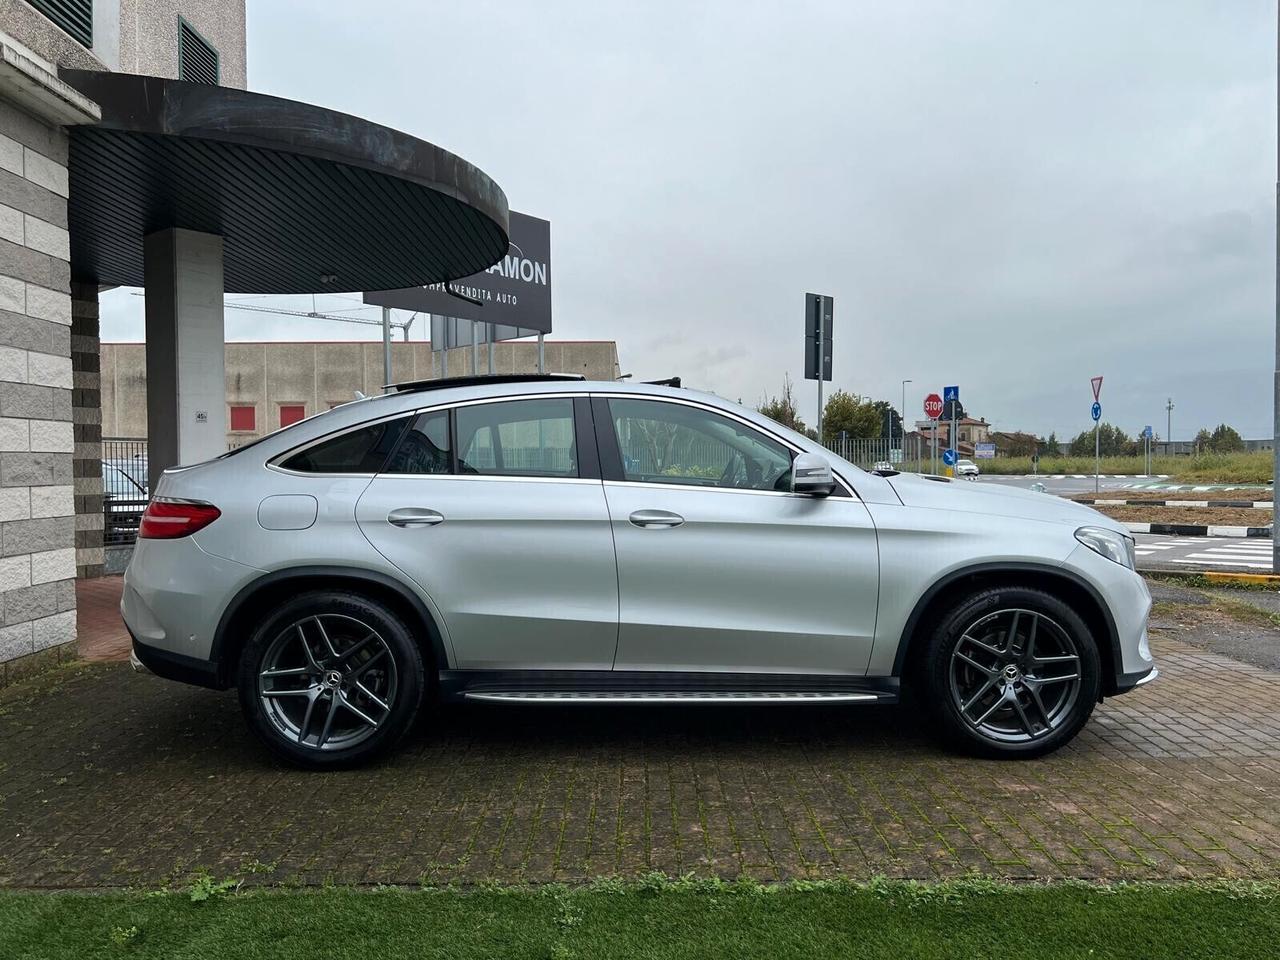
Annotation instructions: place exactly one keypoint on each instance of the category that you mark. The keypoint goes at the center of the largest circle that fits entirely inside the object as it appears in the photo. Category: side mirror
(811, 475)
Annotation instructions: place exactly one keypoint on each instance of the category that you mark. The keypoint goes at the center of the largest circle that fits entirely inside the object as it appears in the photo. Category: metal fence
(867, 453)
(124, 488)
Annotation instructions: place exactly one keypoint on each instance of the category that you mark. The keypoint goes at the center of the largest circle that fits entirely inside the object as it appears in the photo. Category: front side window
(363, 450)
(519, 438)
(674, 443)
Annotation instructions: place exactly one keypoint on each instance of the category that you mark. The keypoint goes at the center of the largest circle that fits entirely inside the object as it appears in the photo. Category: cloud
(1011, 196)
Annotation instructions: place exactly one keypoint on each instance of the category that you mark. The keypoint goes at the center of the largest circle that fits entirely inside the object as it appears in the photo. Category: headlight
(1112, 545)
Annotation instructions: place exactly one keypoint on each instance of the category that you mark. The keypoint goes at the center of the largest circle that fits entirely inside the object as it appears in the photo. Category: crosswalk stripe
(1223, 556)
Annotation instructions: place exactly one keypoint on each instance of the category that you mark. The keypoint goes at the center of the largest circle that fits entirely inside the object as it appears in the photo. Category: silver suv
(551, 540)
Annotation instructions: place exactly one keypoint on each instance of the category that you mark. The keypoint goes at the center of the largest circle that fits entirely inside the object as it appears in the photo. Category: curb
(1197, 530)
(1236, 504)
(1089, 476)
(1218, 576)
(1223, 577)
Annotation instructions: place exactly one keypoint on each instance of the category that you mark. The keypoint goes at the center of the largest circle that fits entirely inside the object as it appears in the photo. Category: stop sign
(933, 406)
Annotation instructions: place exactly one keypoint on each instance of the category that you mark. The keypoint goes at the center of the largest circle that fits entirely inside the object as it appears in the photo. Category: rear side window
(363, 450)
(519, 438)
(425, 448)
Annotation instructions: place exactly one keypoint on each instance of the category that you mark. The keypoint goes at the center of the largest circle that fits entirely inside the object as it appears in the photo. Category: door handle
(415, 517)
(656, 518)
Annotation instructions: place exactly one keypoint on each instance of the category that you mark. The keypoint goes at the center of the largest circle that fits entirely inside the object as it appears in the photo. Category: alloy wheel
(1015, 675)
(327, 682)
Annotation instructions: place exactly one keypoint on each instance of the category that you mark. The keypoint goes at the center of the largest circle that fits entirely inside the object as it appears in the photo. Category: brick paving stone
(108, 778)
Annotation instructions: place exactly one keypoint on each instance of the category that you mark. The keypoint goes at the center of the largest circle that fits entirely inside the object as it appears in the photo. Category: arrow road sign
(933, 406)
(949, 457)
(1096, 410)
(950, 393)
(1097, 388)
(1146, 432)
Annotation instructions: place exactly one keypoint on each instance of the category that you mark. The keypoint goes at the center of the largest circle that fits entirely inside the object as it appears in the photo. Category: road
(1188, 554)
(1065, 485)
(1157, 552)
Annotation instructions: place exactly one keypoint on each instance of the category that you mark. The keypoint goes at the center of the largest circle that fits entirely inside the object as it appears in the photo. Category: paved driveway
(111, 778)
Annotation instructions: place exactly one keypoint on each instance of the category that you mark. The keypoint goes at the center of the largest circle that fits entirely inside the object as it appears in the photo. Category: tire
(331, 679)
(998, 690)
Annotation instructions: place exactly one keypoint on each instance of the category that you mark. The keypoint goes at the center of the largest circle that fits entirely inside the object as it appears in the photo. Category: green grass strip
(655, 918)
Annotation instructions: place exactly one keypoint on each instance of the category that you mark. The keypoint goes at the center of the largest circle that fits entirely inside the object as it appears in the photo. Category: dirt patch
(1225, 626)
(1213, 516)
(1258, 495)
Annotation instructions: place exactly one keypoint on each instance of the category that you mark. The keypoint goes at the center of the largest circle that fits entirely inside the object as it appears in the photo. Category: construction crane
(313, 315)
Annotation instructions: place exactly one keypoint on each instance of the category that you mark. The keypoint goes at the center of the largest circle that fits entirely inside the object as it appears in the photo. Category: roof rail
(443, 383)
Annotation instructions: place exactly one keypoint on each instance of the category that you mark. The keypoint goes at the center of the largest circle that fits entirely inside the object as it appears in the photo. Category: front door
(720, 566)
(506, 529)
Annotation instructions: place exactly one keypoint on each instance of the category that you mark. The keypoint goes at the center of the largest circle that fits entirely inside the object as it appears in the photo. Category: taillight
(170, 519)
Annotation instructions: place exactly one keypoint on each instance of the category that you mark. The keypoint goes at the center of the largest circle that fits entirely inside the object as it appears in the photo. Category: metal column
(386, 345)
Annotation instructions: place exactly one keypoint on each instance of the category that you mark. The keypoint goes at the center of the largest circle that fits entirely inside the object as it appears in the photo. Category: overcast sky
(1011, 196)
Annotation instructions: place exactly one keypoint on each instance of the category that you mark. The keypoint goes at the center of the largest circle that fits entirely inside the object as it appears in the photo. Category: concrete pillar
(86, 419)
(186, 389)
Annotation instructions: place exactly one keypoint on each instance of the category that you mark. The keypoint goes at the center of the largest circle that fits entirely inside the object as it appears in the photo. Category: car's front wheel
(331, 679)
(1011, 672)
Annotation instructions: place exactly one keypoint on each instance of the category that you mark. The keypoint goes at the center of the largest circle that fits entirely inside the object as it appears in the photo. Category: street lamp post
(904, 422)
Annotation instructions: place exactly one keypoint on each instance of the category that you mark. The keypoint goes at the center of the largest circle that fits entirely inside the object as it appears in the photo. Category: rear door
(497, 510)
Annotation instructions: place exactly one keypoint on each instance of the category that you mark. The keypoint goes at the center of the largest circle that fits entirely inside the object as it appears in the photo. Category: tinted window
(356, 451)
(425, 447)
(673, 443)
(521, 438)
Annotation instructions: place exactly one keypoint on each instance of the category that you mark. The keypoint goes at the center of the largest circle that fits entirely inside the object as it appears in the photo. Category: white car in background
(966, 468)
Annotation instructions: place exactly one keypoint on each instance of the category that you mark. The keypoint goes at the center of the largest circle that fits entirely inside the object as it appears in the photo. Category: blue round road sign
(949, 457)
(1097, 410)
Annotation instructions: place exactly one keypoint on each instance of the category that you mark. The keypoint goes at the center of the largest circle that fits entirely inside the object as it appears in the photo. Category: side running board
(676, 696)
(606, 686)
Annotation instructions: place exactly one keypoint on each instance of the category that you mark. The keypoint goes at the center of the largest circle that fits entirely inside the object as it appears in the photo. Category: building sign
(984, 451)
(514, 292)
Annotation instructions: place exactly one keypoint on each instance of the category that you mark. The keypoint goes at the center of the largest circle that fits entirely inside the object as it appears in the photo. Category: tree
(857, 416)
(1015, 444)
(1112, 442)
(890, 419)
(1203, 440)
(1049, 447)
(1225, 440)
(782, 409)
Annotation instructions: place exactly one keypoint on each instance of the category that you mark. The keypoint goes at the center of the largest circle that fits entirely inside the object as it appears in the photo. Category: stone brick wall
(86, 414)
(37, 508)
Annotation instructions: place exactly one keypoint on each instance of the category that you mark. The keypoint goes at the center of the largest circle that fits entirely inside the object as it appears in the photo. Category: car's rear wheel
(1011, 672)
(331, 679)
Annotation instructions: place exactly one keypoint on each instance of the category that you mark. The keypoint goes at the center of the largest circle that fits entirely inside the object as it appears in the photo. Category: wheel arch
(232, 633)
(1065, 584)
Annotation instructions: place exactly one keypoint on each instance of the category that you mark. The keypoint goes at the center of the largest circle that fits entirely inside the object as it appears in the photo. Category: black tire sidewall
(936, 672)
(410, 680)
